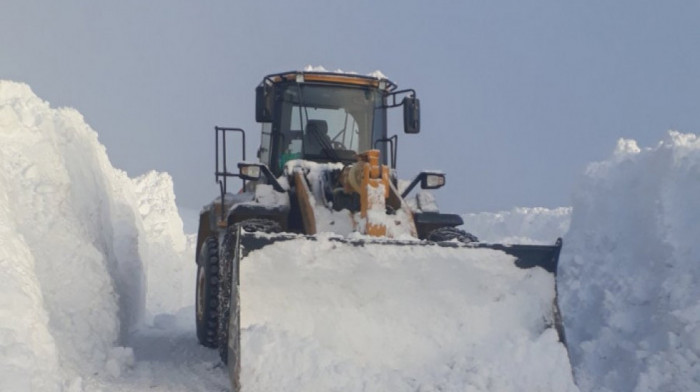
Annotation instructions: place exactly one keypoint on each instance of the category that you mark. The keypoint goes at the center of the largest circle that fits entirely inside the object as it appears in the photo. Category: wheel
(207, 293)
(229, 324)
(449, 233)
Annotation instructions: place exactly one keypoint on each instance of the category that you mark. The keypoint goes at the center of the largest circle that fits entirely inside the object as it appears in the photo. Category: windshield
(329, 123)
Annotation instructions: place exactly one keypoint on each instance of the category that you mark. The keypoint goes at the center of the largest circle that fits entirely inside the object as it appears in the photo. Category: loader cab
(322, 117)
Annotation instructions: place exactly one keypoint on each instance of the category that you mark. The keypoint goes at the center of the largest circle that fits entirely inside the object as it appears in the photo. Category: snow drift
(75, 234)
(630, 282)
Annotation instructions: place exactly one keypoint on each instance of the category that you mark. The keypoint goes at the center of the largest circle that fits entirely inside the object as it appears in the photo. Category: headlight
(249, 172)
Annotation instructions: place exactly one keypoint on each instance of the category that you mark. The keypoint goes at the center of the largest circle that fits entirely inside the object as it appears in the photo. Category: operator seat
(316, 137)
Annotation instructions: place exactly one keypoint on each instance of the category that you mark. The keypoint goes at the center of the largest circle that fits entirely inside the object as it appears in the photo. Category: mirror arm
(271, 179)
(412, 185)
(395, 94)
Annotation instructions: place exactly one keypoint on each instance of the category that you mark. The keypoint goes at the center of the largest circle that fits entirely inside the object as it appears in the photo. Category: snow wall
(629, 279)
(80, 244)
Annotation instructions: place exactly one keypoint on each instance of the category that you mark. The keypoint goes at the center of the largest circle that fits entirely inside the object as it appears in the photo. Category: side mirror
(263, 107)
(411, 114)
(432, 180)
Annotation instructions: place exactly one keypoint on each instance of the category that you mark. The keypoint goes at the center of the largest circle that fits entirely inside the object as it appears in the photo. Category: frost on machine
(325, 165)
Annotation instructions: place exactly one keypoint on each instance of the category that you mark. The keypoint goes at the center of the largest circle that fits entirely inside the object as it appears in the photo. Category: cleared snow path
(168, 358)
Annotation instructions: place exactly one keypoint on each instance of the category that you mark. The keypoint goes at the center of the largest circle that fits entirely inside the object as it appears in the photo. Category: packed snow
(98, 284)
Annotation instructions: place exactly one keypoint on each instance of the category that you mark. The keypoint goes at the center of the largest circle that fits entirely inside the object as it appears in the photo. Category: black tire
(227, 273)
(450, 233)
(229, 326)
(207, 293)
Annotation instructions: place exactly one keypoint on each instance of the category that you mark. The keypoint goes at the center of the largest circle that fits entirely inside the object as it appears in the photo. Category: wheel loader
(326, 163)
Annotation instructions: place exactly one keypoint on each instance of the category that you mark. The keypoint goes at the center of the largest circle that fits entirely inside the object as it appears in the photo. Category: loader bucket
(391, 311)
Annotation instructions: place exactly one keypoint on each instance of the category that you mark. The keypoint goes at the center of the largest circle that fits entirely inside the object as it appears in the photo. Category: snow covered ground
(98, 282)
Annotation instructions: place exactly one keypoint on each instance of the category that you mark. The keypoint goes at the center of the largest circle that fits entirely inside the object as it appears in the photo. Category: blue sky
(517, 96)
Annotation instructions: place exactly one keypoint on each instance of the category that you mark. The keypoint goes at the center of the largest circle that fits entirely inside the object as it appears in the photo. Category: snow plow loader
(324, 189)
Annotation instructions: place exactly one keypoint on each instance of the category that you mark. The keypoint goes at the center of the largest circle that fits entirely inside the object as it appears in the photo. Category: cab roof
(334, 78)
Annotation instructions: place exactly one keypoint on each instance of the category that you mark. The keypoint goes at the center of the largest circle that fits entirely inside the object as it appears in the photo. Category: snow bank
(630, 282)
(520, 225)
(75, 238)
(324, 316)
